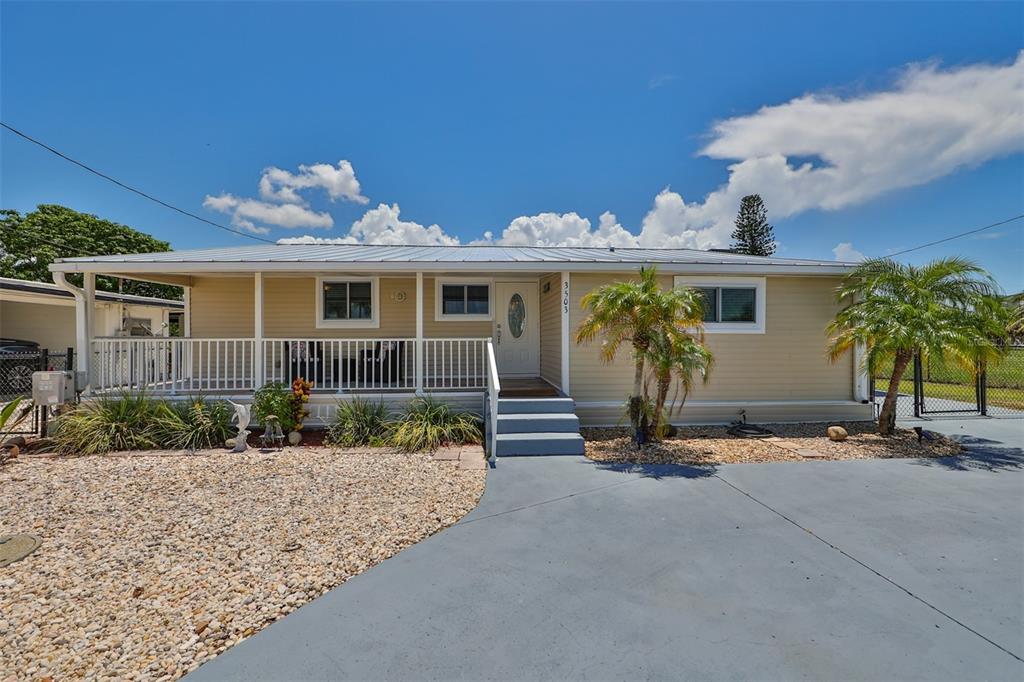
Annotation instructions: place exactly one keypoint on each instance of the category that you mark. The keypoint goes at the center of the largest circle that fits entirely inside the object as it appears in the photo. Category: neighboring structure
(45, 313)
(397, 320)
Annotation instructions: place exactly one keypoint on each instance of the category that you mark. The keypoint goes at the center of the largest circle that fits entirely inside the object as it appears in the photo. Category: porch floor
(527, 387)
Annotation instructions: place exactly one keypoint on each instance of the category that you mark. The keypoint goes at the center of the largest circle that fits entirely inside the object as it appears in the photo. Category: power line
(132, 189)
(956, 236)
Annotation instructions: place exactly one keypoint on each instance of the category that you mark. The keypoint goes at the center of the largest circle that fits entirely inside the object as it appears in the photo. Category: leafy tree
(638, 312)
(945, 309)
(30, 243)
(753, 235)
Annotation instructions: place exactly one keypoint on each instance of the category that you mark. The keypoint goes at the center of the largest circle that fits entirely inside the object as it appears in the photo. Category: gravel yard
(152, 563)
(708, 445)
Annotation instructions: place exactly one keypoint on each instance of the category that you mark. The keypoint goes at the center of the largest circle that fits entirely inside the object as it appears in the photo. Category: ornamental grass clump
(359, 422)
(429, 423)
(106, 424)
(192, 424)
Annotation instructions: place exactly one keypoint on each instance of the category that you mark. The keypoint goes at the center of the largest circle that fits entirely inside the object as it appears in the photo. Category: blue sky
(529, 121)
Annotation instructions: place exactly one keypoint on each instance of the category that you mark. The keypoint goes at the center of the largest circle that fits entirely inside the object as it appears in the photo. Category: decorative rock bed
(153, 562)
(708, 445)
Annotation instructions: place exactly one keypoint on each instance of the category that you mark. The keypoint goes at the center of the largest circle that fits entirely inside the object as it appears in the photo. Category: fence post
(918, 387)
(44, 360)
(981, 389)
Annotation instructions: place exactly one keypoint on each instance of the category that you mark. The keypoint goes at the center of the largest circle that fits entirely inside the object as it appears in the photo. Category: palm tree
(1015, 306)
(681, 357)
(938, 310)
(637, 312)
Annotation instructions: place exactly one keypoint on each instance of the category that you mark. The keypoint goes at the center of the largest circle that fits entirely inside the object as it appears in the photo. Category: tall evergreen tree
(753, 235)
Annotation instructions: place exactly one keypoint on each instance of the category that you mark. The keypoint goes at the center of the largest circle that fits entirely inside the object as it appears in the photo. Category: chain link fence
(16, 382)
(933, 388)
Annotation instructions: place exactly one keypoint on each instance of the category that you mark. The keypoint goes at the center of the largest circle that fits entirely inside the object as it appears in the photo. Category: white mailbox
(53, 388)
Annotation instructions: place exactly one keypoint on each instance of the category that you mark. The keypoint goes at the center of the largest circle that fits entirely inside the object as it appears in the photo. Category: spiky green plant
(192, 424)
(636, 312)
(430, 423)
(359, 422)
(106, 424)
(944, 309)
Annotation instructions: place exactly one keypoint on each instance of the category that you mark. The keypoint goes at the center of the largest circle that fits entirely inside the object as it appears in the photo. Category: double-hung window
(347, 302)
(463, 300)
(734, 305)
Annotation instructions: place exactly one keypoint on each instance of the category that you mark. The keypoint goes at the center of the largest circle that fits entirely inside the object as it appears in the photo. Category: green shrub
(359, 422)
(430, 423)
(192, 424)
(276, 399)
(106, 424)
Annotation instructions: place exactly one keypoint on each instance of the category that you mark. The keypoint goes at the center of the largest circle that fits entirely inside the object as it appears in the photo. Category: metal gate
(931, 388)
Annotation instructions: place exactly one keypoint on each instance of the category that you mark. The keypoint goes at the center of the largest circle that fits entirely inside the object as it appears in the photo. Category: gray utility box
(53, 388)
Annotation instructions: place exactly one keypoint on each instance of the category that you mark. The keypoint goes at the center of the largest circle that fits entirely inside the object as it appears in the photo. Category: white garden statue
(242, 415)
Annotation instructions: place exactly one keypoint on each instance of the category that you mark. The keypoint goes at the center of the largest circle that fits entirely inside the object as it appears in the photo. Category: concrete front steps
(537, 426)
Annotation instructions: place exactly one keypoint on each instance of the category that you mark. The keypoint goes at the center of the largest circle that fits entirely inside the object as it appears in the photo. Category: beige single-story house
(45, 313)
(472, 324)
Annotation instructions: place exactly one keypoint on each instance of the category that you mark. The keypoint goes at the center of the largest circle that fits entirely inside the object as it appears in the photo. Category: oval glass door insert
(516, 315)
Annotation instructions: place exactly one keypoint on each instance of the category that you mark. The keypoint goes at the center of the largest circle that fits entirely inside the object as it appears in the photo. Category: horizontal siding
(787, 362)
(223, 307)
(289, 310)
(551, 331)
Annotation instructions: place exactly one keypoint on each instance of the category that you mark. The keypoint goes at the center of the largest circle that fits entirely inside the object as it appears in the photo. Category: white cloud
(339, 183)
(382, 225)
(845, 253)
(283, 206)
(246, 212)
(929, 124)
(566, 229)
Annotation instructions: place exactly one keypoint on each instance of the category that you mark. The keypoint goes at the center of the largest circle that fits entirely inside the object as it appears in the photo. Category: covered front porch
(389, 333)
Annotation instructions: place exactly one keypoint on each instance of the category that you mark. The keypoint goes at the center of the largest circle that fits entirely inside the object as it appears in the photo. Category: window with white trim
(463, 300)
(733, 305)
(730, 304)
(346, 302)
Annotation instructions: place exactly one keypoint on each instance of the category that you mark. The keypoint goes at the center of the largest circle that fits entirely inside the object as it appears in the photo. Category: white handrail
(493, 391)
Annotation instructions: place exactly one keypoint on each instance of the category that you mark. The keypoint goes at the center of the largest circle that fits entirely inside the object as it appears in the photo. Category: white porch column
(186, 318)
(85, 344)
(419, 333)
(861, 383)
(566, 345)
(257, 351)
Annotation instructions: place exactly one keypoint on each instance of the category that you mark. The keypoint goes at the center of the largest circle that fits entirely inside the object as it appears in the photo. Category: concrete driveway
(569, 570)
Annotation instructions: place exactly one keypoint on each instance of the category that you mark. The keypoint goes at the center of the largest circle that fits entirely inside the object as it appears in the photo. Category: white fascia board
(181, 267)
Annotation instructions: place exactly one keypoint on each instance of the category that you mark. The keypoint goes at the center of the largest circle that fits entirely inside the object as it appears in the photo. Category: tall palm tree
(680, 357)
(943, 309)
(636, 312)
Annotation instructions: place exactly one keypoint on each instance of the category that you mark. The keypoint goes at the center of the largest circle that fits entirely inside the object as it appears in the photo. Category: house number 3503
(565, 298)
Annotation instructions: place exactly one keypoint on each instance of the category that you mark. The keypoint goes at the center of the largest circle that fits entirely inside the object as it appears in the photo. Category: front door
(517, 328)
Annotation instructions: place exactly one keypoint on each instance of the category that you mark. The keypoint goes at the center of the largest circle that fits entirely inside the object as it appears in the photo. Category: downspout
(82, 354)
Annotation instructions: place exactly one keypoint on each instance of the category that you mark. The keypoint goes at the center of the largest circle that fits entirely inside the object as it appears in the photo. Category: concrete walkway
(876, 569)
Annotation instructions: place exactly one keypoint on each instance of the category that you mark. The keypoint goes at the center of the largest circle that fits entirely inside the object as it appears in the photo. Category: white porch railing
(172, 365)
(177, 365)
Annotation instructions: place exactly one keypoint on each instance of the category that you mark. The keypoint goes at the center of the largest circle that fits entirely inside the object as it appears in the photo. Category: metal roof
(48, 289)
(365, 253)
